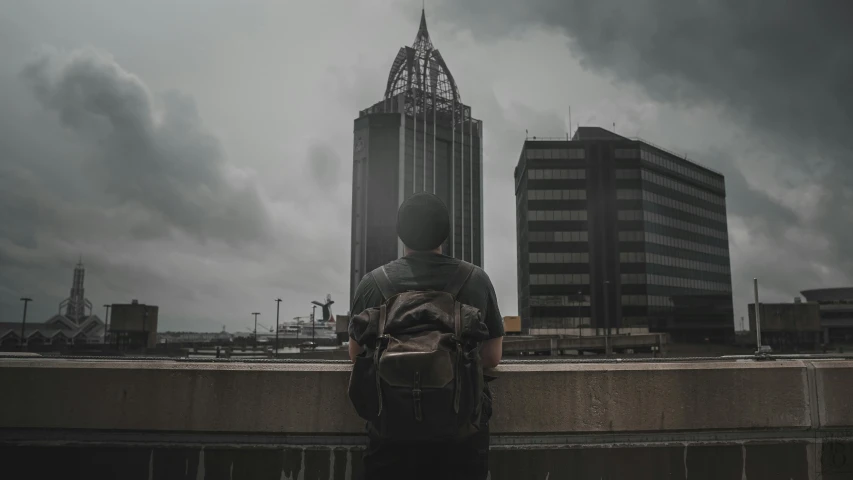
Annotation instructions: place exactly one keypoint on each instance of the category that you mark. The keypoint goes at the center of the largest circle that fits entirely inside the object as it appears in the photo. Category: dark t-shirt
(431, 271)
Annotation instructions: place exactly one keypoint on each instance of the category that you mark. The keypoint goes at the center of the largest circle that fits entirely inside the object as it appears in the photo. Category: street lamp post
(296, 319)
(256, 329)
(578, 299)
(26, 300)
(757, 317)
(145, 329)
(313, 310)
(106, 320)
(606, 319)
(277, 305)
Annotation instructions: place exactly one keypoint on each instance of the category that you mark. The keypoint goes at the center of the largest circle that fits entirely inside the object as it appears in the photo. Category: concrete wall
(778, 419)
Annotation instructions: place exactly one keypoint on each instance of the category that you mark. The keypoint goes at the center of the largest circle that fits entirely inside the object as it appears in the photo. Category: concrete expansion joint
(812, 394)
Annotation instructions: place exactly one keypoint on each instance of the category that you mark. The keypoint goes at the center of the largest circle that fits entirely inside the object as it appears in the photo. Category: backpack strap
(463, 273)
(380, 277)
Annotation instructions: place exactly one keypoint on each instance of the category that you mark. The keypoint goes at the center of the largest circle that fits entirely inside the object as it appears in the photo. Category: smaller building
(512, 325)
(788, 326)
(134, 325)
(342, 328)
(836, 313)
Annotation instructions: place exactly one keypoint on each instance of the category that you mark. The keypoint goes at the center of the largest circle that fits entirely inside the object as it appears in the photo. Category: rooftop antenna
(614, 127)
(526, 134)
(570, 121)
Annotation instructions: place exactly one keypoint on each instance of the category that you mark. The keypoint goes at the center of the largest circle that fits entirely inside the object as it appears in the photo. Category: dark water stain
(340, 464)
(291, 462)
(176, 463)
(693, 462)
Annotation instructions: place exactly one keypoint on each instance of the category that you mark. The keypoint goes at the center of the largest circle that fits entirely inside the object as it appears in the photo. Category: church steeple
(77, 307)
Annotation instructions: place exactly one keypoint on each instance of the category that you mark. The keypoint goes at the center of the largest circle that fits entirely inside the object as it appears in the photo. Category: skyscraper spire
(422, 38)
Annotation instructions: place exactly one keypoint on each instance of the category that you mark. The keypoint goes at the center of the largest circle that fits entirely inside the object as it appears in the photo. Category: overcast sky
(197, 154)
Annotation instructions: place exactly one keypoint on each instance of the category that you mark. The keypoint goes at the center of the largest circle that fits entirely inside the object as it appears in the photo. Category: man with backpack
(423, 329)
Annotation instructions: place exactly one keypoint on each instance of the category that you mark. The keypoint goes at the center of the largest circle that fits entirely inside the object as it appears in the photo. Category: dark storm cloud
(93, 163)
(161, 160)
(781, 70)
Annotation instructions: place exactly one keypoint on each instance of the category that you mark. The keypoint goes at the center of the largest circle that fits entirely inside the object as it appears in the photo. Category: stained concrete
(312, 398)
(683, 462)
(834, 391)
(738, 420)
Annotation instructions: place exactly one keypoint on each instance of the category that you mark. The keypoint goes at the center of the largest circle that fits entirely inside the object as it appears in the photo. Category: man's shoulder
(480, 276)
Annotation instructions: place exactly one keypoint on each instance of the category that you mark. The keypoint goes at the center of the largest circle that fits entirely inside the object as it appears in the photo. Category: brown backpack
(420, 376)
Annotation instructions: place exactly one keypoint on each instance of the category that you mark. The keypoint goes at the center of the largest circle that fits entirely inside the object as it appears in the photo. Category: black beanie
(423, 222)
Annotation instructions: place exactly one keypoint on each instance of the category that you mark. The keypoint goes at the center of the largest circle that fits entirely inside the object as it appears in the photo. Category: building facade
(787, 326)
(134, 325)
(615, 232)
(836, 313)
(419, 138)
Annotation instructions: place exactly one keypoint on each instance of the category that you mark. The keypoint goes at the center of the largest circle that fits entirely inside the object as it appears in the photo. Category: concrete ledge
(311, 399)
(834, 391)
(555, 398)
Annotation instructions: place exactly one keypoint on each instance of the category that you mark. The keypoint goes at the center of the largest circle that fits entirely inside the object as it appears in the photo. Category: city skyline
(220, 221)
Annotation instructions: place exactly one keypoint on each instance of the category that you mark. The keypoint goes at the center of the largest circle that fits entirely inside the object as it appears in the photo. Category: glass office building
(420, 137)
(617, 232)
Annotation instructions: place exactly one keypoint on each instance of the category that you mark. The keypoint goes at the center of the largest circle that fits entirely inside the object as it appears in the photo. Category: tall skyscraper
(419, 138)
(618, 232)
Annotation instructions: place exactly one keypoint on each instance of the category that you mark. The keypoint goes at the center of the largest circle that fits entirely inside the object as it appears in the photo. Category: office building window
(676, 223)
(680, 168)
(684, 207)
(630, 215)
(559, 279)
(625, 153)
(559, 257)
(557, 174)
(556, 194)
(633, 278)
(681, 187)
(559, 236)
(557, 215)
(556, 153)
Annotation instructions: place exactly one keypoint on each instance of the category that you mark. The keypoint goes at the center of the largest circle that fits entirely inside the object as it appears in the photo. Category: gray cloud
(162, 161)
(781, 71)
(325, 164)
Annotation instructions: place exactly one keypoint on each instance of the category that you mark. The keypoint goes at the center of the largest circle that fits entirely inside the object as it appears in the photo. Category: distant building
(342, 327)
(788, 326)
(836, 313)
(512, 325)
(134, 325)
(616, 232)
(74, 323)
(419, 138)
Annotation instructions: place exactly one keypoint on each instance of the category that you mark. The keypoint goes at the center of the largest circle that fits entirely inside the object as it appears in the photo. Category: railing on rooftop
(548, 139)
(682, 156)
(634, 139)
